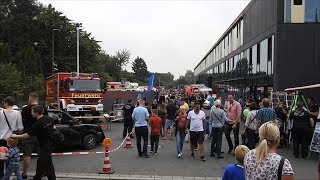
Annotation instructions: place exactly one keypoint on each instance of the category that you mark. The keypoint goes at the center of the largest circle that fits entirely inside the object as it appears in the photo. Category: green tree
(10, 80)
(140, 70)
(123, 57)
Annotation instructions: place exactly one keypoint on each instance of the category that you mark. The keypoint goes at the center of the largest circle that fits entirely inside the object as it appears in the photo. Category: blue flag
(150, 84)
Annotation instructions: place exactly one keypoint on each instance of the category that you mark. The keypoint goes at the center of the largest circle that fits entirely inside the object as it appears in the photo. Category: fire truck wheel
(89, 141)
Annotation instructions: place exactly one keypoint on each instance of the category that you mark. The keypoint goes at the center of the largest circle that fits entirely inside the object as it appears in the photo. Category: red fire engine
(75, 93)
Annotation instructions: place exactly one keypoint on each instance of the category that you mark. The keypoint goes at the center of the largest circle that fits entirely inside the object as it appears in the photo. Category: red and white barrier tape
(86, 153)
(71, 153)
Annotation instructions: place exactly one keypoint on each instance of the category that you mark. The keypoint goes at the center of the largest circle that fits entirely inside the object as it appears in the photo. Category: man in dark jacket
(127, 122)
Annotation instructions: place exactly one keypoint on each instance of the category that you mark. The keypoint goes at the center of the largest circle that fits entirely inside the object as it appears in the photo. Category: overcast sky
(171, 36)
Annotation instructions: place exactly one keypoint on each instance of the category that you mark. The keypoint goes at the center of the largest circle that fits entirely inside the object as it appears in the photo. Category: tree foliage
(28, 31)
(140, 69)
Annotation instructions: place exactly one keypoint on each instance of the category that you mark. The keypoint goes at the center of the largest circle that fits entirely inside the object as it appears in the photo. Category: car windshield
(85, 86)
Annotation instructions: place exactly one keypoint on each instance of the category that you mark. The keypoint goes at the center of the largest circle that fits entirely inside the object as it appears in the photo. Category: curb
(91, 176)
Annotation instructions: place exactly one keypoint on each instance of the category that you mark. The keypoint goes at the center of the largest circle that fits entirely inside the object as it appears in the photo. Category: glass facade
(311, 10)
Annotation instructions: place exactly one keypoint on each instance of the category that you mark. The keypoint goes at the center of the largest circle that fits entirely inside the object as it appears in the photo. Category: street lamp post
(78, 25)
(53, 64)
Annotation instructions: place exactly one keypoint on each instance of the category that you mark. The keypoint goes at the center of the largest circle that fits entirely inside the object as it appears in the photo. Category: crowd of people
(170, 116)
(31, 127)
(265, 130)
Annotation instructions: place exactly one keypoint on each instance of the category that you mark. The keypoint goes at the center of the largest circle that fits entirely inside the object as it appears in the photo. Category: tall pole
(52, 63)
(78, 68)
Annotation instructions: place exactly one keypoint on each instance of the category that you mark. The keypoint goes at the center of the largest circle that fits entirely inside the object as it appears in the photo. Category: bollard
(106, 163)
(128, 141)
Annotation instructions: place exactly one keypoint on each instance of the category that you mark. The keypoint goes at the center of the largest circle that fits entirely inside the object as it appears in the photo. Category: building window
(258, 53)
(250, 57)
(269, 49)
(237, 31)
(287, 11)
(297, 2)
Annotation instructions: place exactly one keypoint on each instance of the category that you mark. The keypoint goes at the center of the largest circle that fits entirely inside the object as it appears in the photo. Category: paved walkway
(79, 176)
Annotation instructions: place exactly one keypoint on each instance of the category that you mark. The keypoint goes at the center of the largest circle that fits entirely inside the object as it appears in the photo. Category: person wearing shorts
(197, 119)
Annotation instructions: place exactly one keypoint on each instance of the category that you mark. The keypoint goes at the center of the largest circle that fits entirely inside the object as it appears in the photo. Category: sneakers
(151, 151)
(203, 158)
(145, 156)
(196, 149)
(179, 155)
(192, 155)
(155, 153)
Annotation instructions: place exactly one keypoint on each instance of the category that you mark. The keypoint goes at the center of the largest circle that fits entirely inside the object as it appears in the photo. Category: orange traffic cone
(128, 142)
(106, 164)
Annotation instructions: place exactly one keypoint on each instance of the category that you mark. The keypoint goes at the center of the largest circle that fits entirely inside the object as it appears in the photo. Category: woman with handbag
(217, 120)
(10, 122)
(250, 126)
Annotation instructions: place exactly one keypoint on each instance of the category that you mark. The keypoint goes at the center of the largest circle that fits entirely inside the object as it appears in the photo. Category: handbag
(14, 132)
(223, 125)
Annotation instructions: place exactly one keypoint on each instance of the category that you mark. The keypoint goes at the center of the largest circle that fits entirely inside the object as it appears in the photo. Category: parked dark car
(76, 133)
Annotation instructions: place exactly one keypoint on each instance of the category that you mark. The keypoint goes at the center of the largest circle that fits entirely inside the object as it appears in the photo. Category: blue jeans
(180, 139)
(12, 168)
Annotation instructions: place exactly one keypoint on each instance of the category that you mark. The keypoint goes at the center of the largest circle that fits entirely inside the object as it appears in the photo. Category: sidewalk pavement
(80, 176)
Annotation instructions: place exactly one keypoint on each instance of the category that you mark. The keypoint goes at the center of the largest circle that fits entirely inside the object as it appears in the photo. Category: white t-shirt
(268, 169)
(196, 123)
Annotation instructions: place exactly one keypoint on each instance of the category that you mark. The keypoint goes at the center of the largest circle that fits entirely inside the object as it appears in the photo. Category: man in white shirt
(10, 120)
(197, 120)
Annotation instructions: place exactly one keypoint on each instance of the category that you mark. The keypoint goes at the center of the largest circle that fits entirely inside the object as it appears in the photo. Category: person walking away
(28, 145)
(10, 121)
(14, 157)
(236, 171)
(171, 114)
(155, 124)
(265, 114)
(41, 131)
(197, 123)
(218, 121)
(140, 116)
(250, 126)
(301, 128)
(234, 111)
(263, 162)
(181, 130)
(128, 122)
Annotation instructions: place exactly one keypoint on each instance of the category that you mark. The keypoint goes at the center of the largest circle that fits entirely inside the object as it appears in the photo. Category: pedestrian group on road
(182, 117)
(262, 134)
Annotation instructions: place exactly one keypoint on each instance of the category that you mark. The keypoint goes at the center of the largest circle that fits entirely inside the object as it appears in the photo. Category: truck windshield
(85, 85)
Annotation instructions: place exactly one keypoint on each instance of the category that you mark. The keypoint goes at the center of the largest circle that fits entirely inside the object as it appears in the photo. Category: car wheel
(89, 141)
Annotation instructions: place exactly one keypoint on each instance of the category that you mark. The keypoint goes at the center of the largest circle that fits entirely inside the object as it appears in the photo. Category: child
(155, 124)
(14, 157)
(236, 171)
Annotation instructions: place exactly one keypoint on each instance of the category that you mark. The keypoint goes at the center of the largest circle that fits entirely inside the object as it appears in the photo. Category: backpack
(181, 124)
(56, 138)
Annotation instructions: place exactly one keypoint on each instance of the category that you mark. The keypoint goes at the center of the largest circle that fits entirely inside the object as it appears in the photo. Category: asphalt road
(126, 161)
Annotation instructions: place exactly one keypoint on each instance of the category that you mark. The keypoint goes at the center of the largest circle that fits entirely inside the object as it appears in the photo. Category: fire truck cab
(78, 94)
